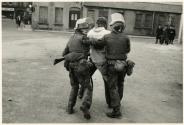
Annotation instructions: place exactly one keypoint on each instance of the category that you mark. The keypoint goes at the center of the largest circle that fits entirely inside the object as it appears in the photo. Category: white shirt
(97, 56)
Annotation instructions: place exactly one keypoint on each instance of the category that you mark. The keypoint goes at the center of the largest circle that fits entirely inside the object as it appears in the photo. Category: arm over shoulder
(99, 42)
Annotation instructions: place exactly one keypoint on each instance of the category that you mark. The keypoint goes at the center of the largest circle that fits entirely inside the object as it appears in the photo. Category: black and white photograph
(92, 61)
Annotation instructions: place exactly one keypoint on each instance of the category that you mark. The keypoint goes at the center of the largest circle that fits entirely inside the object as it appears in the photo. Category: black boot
(116, 113)
(70, 110)
(85, 112)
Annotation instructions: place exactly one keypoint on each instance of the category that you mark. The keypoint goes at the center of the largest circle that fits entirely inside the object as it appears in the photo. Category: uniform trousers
(115, 81)
(79, 74)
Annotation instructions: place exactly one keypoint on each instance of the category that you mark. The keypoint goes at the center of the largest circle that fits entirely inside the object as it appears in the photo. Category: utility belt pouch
(120, 65)
(83, 66)
(73, 64)
(130, 66)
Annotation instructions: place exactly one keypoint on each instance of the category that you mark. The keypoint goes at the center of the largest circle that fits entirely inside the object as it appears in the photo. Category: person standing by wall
(159, 33)
(18, 21)
(171, 34)
(165, 35)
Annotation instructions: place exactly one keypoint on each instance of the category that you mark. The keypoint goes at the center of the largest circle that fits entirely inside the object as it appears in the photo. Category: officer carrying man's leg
(117, 46)
(76, 54)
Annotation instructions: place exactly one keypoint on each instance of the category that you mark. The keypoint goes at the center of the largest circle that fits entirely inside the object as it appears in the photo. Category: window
(58, 15)
(20, 4)
(143, 20)
(103, 13)
(43, 15)
(148, 20)
(91, 13)
(162, 19)
(74, 17)
(172, 20)
(138, 20)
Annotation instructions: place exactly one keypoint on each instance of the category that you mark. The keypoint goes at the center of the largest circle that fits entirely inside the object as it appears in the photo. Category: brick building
(141, 18)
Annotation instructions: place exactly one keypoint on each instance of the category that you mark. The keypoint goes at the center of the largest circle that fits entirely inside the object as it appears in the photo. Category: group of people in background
(165, 34)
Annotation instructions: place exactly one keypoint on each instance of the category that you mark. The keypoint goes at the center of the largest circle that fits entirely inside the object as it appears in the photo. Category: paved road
(35, 91)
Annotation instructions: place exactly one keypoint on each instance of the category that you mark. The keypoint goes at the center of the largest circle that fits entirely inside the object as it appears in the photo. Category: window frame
(104, 10)
(91, 11)
(44, 22)
(143, 20)
(58, 23)
(136, 18)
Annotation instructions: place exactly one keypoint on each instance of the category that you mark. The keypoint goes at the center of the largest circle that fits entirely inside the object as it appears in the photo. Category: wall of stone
(51, 15)
(129, 15)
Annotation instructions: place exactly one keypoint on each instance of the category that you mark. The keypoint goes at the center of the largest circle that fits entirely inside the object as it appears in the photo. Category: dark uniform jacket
(159, 32)
(166, 34)
(75, 48)
(171, 34)
(117, 46)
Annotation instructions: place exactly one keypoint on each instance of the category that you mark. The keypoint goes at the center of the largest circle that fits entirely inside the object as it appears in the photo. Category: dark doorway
(74, 15)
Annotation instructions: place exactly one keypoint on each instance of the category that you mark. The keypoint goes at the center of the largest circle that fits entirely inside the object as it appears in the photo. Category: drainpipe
(180, 36)
(81, 11)
(153, 23)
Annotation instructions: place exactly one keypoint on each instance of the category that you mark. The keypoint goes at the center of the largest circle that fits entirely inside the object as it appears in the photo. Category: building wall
(177, 24)
(168, 21)
(147, 6)
(130, 19)
(99, 9)
(51, 15)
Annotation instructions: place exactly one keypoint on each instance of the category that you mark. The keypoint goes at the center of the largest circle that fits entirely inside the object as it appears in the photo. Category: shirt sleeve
(99, 43)
(89, 33)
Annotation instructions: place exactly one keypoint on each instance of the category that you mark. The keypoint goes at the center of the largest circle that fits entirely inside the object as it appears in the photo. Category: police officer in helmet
(76, 54)
(117, 46)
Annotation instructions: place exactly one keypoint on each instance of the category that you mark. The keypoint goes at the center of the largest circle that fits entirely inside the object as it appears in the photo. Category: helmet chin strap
(84, 31)
(120, 30)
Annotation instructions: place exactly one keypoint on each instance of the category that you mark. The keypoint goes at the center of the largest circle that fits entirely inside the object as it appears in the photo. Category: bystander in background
(159, 33)
(171, 34)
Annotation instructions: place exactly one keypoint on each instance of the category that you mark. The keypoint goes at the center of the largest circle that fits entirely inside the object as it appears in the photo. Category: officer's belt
(76, 63)
(112, 62)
